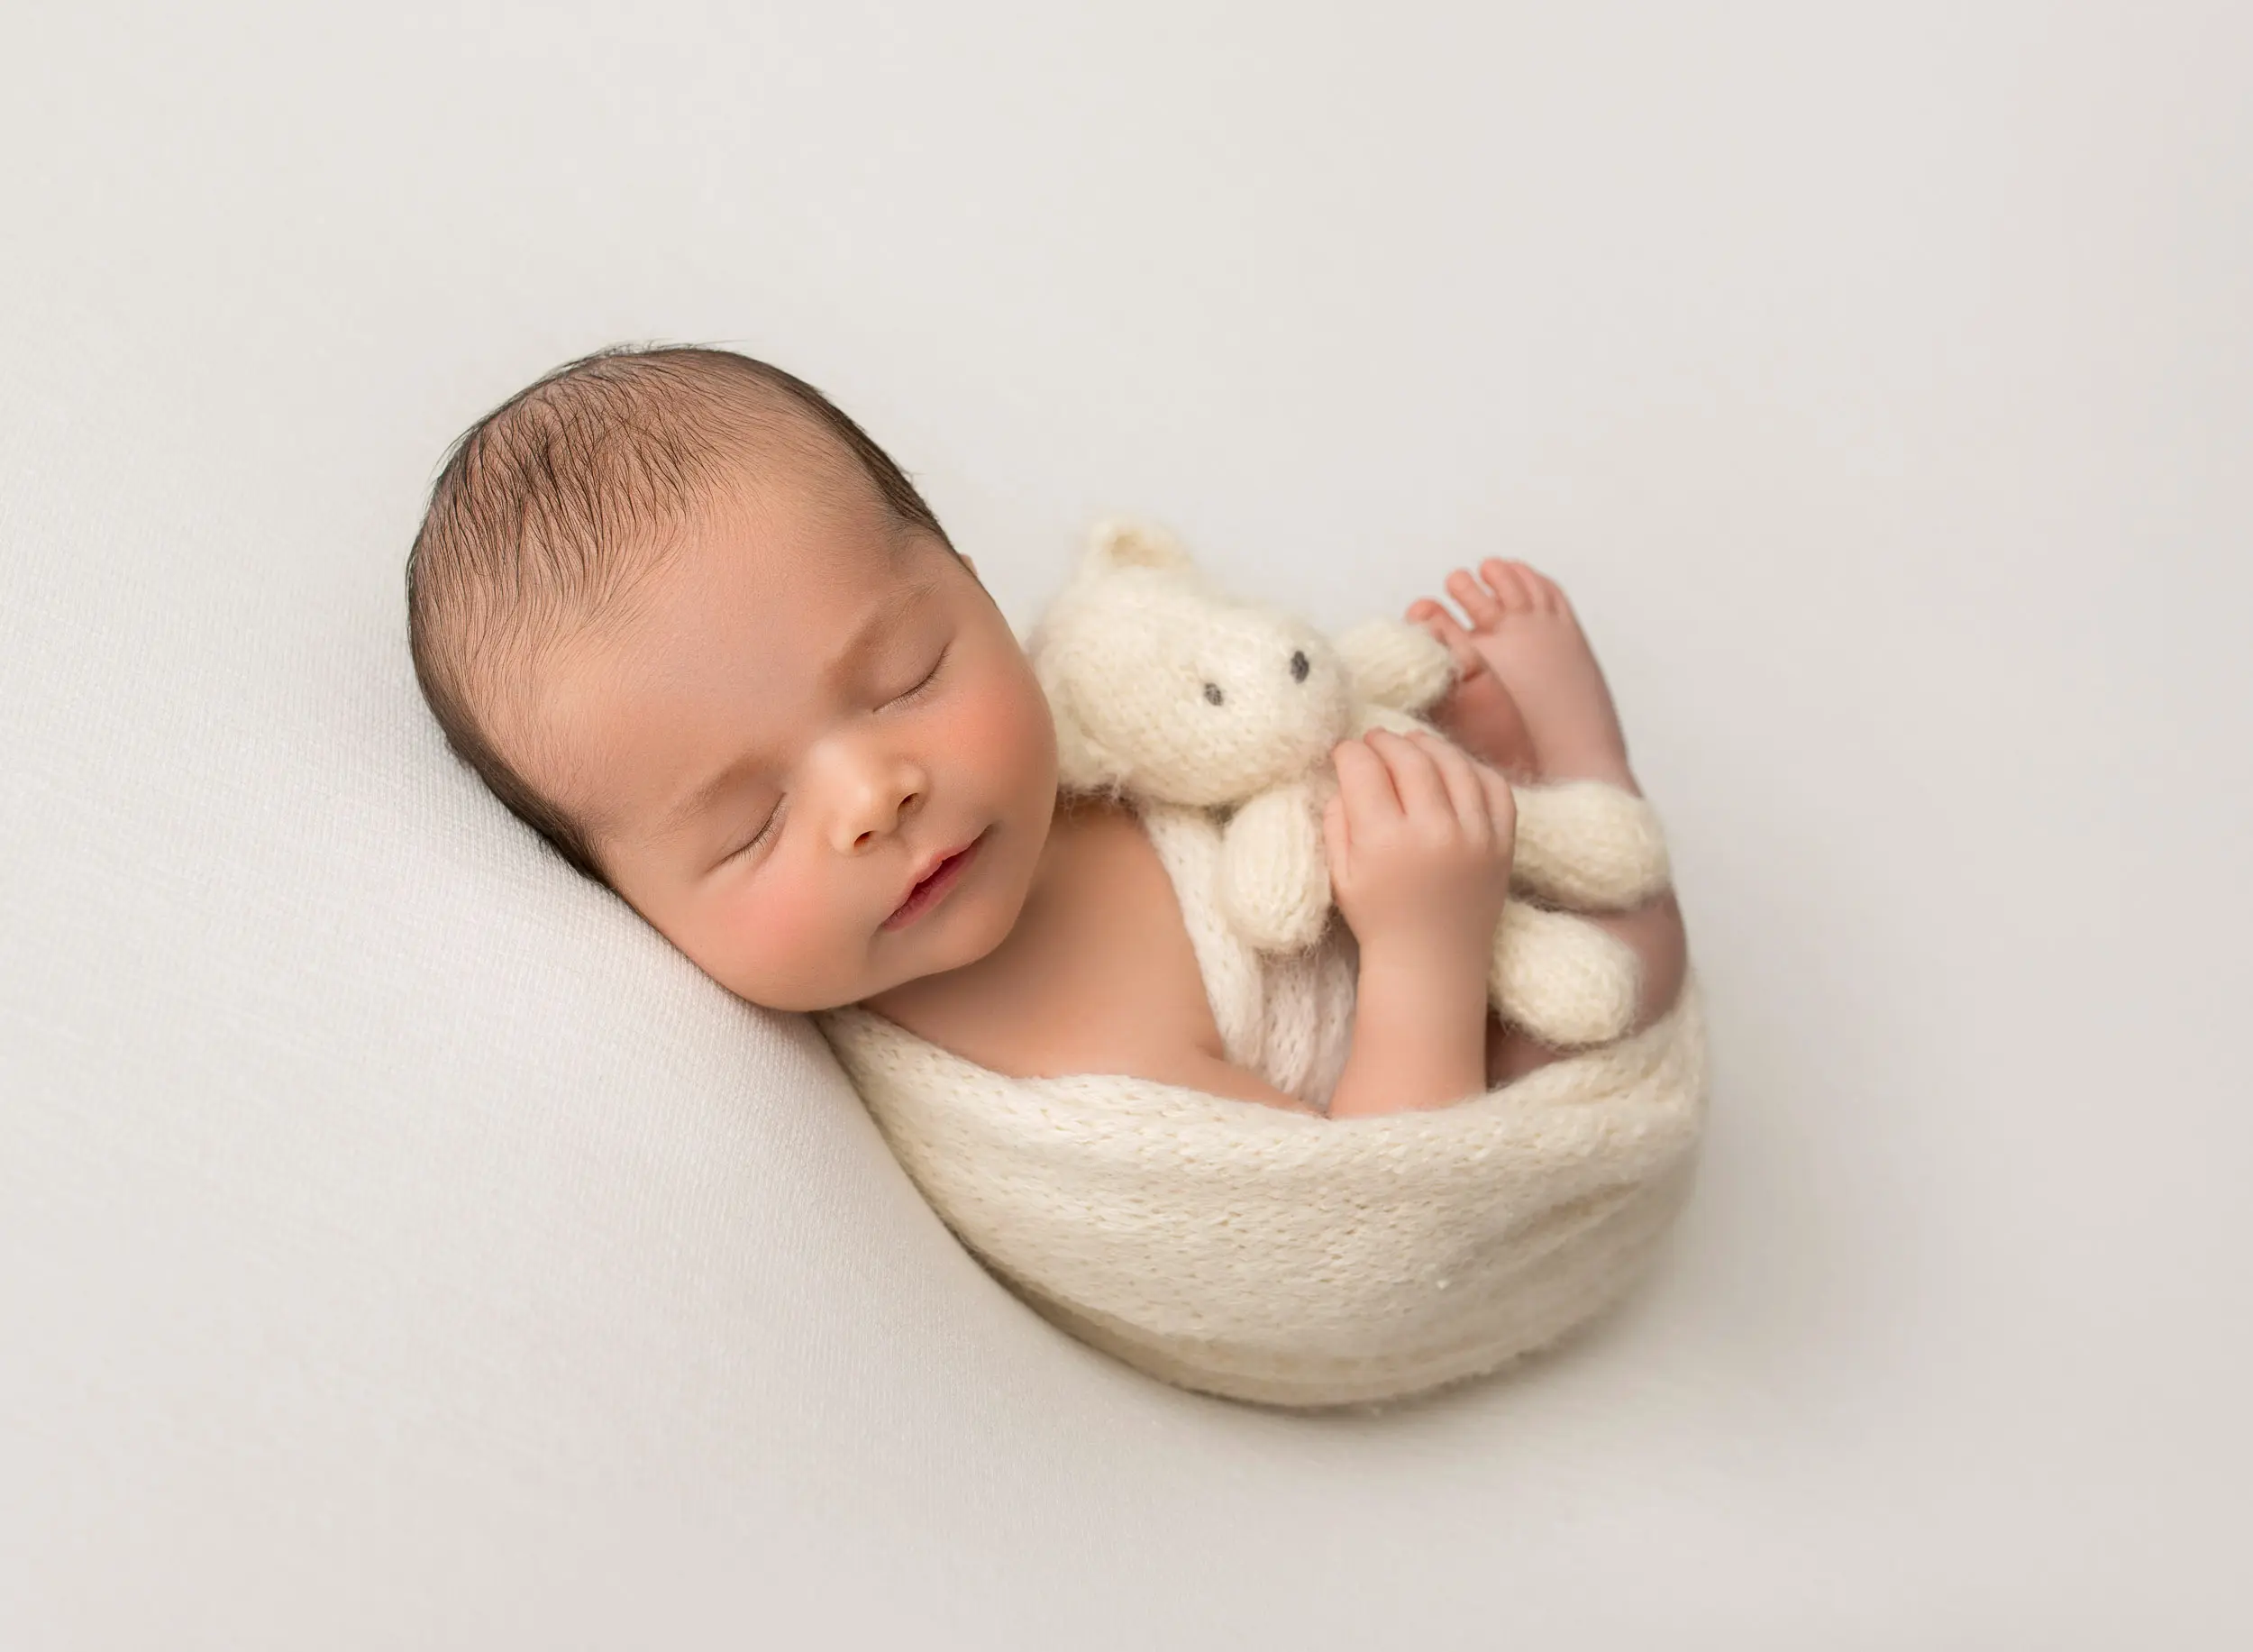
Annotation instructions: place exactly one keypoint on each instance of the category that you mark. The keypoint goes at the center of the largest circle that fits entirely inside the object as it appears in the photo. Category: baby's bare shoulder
(1097, 976)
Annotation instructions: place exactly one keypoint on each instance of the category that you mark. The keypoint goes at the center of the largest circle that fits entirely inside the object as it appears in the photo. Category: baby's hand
(1419, 840)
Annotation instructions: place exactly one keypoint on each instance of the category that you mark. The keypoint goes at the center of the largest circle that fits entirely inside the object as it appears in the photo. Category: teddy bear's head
(1165, 688)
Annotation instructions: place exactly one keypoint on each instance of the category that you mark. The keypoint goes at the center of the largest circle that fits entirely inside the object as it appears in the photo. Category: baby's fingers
(1415, 775)
(1501, 804)
(1460, 775)
(1364, 782)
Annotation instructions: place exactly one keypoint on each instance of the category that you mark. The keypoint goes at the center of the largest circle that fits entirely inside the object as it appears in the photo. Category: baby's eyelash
(931, 677)
(764, 832)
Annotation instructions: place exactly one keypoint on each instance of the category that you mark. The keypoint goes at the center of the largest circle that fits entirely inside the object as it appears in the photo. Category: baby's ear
(1118, 543)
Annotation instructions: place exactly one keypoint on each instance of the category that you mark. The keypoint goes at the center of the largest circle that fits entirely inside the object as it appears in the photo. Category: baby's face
(801, 714)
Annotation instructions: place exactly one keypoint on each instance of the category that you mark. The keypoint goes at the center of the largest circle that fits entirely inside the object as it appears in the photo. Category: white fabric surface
(399, 1247)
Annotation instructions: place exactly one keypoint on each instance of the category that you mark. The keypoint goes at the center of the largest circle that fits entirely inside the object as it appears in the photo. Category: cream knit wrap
(1281, 1257)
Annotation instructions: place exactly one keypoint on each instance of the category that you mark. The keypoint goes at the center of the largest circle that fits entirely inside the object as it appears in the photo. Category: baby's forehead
(724, 659)
(790, 567)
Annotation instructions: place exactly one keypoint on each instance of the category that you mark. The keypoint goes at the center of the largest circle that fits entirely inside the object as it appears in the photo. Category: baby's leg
(1531, 699)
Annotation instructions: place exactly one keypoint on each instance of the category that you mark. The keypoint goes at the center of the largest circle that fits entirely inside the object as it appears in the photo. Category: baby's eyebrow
(837, 672)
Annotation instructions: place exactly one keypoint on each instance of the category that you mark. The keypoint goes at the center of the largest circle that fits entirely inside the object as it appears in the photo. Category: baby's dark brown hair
(552, 505)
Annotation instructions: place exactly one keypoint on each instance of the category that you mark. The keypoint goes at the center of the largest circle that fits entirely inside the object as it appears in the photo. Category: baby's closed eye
(922, 686)
(774, 818)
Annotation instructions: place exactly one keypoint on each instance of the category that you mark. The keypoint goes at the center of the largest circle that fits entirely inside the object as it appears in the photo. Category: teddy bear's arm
(1391, 663)
(1274, 877)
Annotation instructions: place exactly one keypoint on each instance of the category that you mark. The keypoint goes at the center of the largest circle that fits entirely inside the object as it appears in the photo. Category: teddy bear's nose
(1298, 667)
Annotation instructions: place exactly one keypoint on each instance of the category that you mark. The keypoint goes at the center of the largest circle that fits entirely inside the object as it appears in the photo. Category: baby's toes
(1477, 601)
(1515, 586)
(1440, 623)
(1536, 589)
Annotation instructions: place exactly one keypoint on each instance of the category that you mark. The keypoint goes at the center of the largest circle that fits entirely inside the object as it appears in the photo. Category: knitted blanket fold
(1283, 1258)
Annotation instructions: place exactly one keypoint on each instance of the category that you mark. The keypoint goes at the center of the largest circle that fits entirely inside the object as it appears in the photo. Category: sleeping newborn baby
(694, 627)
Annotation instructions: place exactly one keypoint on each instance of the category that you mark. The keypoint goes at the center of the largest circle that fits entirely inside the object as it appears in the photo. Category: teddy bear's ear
(1081, 765)
(1120, 543)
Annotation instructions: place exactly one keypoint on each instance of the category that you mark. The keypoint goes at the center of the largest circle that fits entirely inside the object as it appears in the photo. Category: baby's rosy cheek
(786, 922)
(1003, 721)
(766, 916)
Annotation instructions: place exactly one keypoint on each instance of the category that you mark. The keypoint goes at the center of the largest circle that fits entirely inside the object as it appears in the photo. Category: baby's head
(689, 623)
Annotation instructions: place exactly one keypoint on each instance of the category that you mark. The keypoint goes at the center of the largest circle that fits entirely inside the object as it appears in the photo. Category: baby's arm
(1419, 839)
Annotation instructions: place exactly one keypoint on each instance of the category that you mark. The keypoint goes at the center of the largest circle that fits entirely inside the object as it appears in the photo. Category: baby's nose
(882, 801)
(869, 834)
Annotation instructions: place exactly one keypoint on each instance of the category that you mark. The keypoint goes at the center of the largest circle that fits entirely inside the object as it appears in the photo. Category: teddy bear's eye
(1298, 667)
(1213, 693)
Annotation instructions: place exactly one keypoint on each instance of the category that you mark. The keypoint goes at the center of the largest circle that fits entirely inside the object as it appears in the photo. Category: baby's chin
(976, 930)
(973, 926)
(884, 970)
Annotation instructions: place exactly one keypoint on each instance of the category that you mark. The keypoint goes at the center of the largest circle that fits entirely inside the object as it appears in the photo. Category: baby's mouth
(934, 888)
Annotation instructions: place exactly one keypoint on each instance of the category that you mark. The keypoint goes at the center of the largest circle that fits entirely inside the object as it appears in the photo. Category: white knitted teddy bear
(1173, 694)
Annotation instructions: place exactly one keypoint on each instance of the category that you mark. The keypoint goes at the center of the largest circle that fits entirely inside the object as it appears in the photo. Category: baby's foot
(1524, 629)
(1477, 712)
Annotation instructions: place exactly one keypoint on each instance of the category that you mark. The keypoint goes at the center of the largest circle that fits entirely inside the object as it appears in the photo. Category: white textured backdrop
(399, 1247)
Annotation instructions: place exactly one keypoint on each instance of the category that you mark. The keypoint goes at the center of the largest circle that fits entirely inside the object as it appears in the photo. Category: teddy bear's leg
(1562, 978)
(1653, 933)
(1588, 845)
